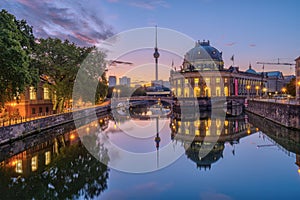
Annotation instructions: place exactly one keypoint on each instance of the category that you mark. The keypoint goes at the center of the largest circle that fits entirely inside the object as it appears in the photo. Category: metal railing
(17, 120)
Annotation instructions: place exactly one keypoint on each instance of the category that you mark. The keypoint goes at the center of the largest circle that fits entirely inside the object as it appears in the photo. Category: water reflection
(57, 168)
(56, 165)
(286, 140)
(204, 139)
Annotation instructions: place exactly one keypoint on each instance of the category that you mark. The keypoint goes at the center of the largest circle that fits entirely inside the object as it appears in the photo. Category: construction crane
(275, 63)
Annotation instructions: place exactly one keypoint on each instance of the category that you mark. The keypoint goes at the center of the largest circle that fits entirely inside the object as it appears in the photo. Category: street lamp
(257, 88)
(283, 90)
(248, 87)
(114, 91)
(119, 93)
(265, 91)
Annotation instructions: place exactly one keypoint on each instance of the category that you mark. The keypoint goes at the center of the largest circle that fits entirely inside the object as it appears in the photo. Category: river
(143, 156)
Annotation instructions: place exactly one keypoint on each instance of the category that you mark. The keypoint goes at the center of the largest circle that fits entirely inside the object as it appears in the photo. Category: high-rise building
(125, 81)
(112, 81)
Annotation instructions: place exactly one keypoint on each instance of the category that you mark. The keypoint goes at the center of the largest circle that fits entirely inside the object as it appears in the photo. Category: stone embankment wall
(287, 115)
(18, 131)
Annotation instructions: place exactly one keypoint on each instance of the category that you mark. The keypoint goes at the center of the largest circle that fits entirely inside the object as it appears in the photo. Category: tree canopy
(16, 44)
(291, 87)
(60, 62)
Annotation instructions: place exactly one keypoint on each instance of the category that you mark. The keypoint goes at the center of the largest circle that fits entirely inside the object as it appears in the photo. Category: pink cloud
(230, 44)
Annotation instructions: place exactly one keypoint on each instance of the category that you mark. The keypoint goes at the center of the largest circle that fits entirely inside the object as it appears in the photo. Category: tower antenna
(156, 55)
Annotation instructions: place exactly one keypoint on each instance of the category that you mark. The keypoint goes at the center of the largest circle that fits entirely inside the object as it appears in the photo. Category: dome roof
(203, 51)
(213, 154)
(203, 57)
(250, 70)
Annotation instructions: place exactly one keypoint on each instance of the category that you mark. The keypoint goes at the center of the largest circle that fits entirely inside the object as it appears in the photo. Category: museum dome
(203, 57)
(250, 70)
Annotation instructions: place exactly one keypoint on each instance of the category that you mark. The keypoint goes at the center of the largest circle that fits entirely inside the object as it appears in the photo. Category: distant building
(275, 81)
(125, 81)
(297, 70)
(112, 81)
(156, 83)
(33, 102)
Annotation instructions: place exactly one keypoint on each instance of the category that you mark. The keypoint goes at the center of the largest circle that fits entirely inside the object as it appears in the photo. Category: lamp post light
(265, 91)
(248, 87)
(283, 90)
(257, 88)
(119, 91)
(114, 91)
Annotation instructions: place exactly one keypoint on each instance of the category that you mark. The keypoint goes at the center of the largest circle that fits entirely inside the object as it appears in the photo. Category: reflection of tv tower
(156, 55)
(157, 141)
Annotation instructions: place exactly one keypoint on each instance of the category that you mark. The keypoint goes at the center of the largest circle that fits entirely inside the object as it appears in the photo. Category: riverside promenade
(19, 131)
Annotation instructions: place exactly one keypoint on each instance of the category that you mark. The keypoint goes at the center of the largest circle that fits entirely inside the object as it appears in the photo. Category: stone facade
(284, 114)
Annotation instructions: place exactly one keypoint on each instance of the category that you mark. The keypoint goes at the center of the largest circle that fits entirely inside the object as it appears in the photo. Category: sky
(252, 31)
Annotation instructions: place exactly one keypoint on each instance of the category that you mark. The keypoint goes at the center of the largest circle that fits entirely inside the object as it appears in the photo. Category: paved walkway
(27, 119)
(282, 101)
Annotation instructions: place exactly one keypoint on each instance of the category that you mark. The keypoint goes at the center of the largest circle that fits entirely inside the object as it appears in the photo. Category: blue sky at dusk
(251, 30)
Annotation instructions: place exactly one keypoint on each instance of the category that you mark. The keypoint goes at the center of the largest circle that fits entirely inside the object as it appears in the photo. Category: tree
(60, 62)
(16, 44)
(91, 83)
(291, 87)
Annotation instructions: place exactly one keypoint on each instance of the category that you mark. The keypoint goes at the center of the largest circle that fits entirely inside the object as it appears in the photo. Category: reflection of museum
(204, 139)
(203, 75)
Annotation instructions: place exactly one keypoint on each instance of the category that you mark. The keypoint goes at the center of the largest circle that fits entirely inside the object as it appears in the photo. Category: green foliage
(91, 84)
(60, 61)
(16, 44)
(291, 87)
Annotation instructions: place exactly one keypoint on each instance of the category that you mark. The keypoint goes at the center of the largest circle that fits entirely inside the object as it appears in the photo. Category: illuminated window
(226, 131)
(179, 130)
(19, 167)
(186, 81)
(207, 91)
(208, 132)
(196, 81)
(226, 122)
(187, 92)
(32, 93)
(46, 93)
(197, 92)
(178, 82)
(225, 80)
(34, 163)
(207, 81)
(226, 91)
(217, 80)
(197, 132)
(218, 123)
(218, 132)
(218, 91)
(179, 92)
(187, 131)
(209, 122)
(47, 158)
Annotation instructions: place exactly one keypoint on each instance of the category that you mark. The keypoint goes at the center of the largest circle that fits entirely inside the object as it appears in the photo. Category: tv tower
(156, 55)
